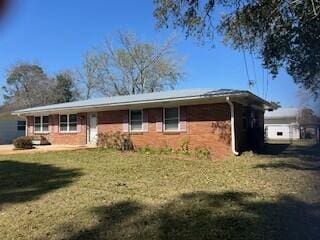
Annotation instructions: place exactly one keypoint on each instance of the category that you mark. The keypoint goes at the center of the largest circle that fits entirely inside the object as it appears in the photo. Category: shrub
(166, 150)
(116, 140)
(202, 153)
(185, 146)
(153, 150)
(147, 150)
(23, 143)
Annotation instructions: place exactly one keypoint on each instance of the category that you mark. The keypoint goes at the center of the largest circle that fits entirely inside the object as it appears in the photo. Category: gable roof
(282, 113)
(156, 97)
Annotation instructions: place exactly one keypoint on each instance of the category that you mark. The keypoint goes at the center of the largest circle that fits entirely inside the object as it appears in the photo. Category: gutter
(233, 136)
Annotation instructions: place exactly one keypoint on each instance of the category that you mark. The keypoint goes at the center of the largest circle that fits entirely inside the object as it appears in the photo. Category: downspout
(233, 136)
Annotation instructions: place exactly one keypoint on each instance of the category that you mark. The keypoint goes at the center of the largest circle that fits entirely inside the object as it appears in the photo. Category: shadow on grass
(295, 157)
(298, 166)
(311, 151)
(205, 215)
(21, 182)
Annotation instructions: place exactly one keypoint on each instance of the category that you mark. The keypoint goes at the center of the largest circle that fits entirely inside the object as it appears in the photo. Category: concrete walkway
(9, 149)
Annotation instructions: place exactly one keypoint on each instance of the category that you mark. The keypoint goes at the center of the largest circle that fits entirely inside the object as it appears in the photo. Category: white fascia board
(128, 105)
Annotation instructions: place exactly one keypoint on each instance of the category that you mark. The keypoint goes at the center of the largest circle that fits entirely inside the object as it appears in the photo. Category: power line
(254, 73)
(246, 67)
(263, 82)
(250, 83)
(267, 87)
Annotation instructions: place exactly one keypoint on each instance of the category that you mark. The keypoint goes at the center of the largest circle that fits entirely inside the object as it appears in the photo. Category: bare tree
(132, 67)
(307, 116)
(91, 74)
(308, 100)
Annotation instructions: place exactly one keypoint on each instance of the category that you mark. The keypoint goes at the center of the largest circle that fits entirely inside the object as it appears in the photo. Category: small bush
(147, 150)
(23, 143)
(202, 153)
(166, 150)
(116, 140)
(153, 150)
(184, 148)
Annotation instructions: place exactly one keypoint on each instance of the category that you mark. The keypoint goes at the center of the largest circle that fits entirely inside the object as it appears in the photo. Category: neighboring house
(11, 128)
(290, 124)
(222, 121)
(282, 124)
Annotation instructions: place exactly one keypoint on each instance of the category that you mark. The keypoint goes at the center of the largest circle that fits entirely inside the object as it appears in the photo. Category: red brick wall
(111, 121)
(55, 137)
(207, 126)
(30, 123)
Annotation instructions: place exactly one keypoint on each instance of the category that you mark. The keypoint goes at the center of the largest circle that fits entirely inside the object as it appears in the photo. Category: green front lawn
(100, 194)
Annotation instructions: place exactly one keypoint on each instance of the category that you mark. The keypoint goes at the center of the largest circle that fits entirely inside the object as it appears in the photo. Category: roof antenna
(251, 84)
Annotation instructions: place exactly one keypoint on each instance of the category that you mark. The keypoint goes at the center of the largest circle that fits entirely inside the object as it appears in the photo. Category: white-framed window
(21, 125)
(136, 119)
(68, 122)
(41, 124)
(171, 119)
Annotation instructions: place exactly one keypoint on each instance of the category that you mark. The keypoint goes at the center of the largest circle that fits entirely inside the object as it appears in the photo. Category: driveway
(9, 149)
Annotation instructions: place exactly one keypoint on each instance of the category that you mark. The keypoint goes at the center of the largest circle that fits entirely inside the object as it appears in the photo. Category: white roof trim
(140, 99)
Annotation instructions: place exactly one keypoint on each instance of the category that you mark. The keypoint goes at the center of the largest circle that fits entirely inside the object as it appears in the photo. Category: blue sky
(56, 34)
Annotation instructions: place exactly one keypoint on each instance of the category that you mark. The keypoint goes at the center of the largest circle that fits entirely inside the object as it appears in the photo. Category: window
(279, 133)
(21, 125)
(171, 119)
(68, 123)
(136, 120)
(41, 124)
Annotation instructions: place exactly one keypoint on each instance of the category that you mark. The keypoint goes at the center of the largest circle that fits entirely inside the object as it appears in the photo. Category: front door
(92, 133)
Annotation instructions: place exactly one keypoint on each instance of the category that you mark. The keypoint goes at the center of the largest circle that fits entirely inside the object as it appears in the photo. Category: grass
(100, 194)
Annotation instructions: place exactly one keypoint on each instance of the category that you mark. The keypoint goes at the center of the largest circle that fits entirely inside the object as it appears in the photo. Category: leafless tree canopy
(129, 66)
(91, 75)
(307, 116)
(308, 100)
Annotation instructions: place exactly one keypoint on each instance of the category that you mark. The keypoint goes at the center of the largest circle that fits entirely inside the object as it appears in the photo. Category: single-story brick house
(223, 121)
